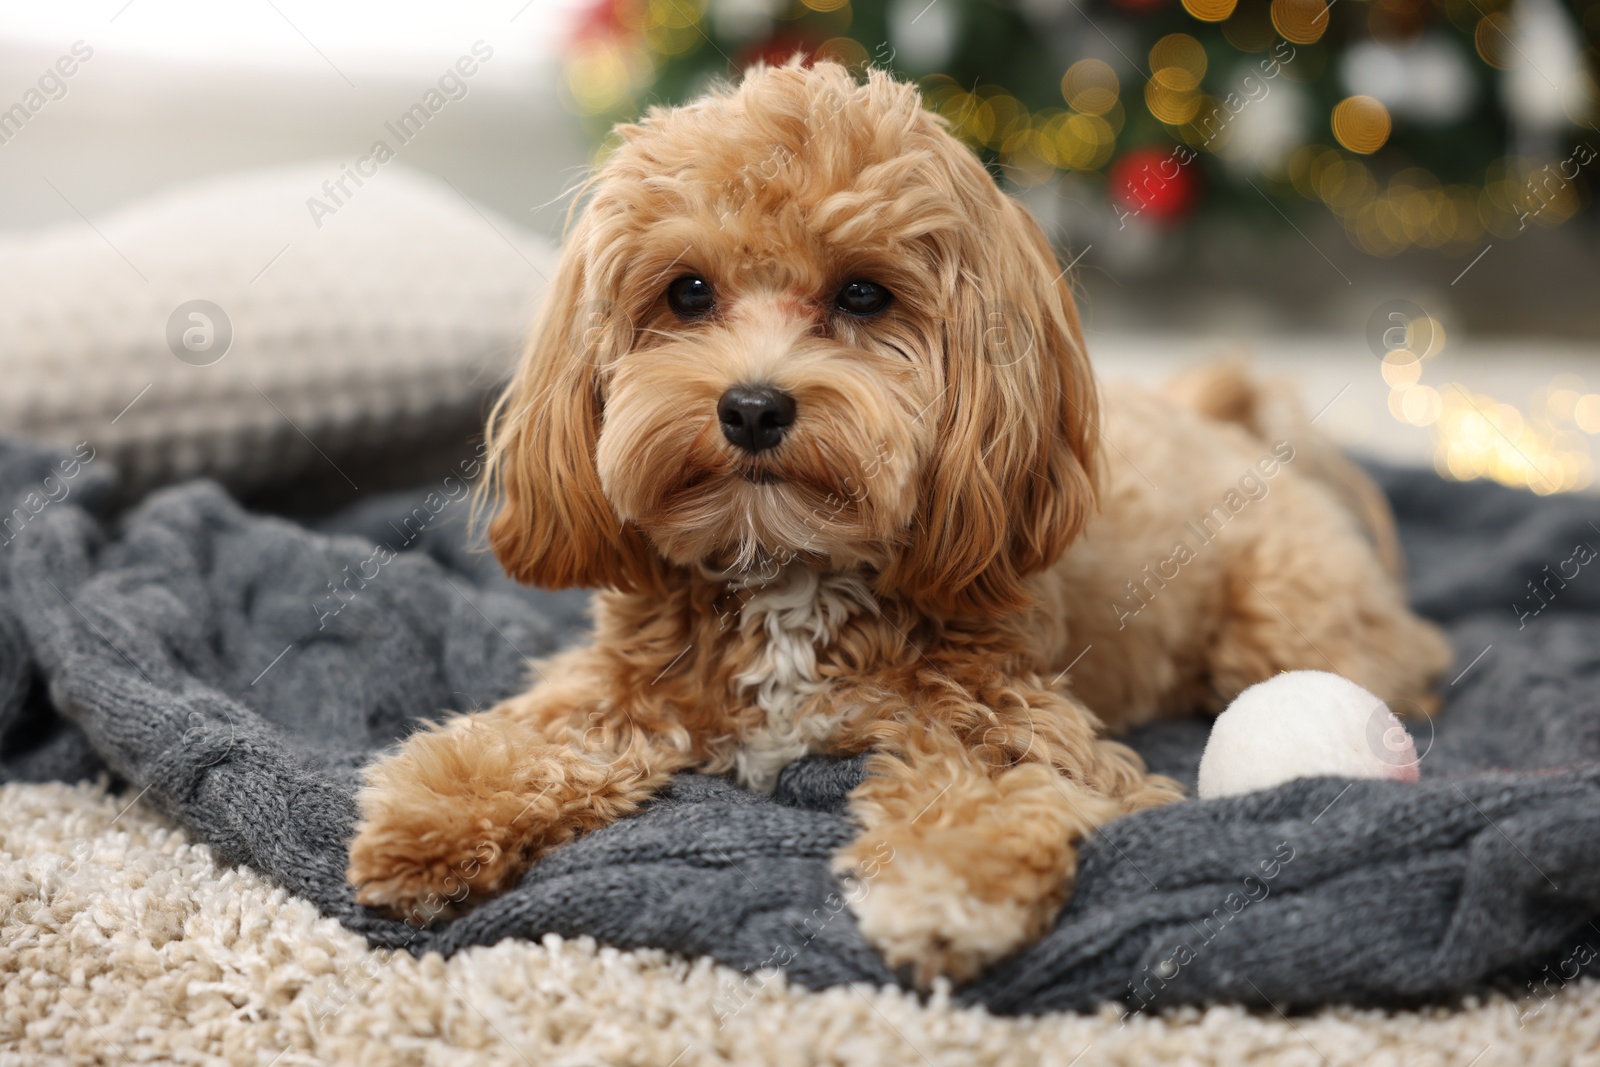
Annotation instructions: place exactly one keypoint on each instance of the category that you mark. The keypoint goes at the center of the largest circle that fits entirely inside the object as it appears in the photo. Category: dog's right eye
(690, 296)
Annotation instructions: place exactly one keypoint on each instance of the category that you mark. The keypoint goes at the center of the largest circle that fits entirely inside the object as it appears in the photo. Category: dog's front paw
(931, 925)
(423, 868)
(948, 886)
(456, 813)
(929, 921)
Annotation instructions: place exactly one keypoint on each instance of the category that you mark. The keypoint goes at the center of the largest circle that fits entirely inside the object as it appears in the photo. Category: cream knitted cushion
(379, 329)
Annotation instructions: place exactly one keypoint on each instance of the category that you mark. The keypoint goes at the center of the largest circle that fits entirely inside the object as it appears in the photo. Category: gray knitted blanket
(236, 670)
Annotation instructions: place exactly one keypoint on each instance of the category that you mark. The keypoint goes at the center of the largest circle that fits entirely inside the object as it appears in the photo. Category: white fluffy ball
(1302, 724)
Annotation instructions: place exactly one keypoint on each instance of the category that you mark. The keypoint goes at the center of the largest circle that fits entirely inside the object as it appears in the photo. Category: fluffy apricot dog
(808, 401)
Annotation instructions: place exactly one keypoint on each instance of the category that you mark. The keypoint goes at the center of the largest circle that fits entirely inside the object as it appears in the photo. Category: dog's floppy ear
(554, 526)
(1013, 477)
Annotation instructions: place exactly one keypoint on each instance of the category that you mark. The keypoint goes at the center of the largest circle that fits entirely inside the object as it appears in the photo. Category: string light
(1033, 145)
(1476, 436)
(1479, 437)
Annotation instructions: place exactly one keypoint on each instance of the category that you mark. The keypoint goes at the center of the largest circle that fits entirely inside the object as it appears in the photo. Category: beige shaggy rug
(122, 942)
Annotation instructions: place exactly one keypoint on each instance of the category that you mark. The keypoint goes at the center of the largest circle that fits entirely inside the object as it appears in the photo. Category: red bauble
(601, 18)
(1155, 183)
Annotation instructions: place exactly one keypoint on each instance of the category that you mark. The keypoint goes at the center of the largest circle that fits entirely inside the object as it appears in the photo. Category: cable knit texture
(202, 655)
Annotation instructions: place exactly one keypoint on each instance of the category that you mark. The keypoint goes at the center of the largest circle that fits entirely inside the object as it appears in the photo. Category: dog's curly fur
(895, 576)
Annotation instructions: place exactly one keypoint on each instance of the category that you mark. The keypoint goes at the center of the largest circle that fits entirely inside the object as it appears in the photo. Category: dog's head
(798, 320)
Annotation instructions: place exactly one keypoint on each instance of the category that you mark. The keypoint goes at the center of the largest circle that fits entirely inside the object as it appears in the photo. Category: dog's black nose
(755, 417)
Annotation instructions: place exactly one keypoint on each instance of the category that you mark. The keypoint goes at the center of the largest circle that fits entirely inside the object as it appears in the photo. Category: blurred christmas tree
(1417, 123)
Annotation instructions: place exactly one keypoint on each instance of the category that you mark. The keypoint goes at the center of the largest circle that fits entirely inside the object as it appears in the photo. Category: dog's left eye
(690, 297)
(862, 298)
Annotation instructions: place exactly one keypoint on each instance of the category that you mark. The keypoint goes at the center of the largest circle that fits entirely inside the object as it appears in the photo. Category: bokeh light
(1172, 106)
(1586, 412)
(1492, 37)
(1210, 10)
(1476, 436)
(1090, 86)
(1300, 21)
(1479, 437)
(1249, 28)
(1178, 62)
(845, 50)
(1361, 124)
(601, 74)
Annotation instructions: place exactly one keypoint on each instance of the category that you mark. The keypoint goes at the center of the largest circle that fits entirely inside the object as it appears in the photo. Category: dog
(808, 402)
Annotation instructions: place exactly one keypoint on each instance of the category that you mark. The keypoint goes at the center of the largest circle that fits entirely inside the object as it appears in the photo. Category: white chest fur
(797, 615)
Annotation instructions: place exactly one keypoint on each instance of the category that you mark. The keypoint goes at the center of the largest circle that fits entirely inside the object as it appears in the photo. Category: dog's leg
(464, 807)
(1299, 602)
(971, 825)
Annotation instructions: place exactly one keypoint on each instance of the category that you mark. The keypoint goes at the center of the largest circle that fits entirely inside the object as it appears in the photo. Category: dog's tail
(1270, 410)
